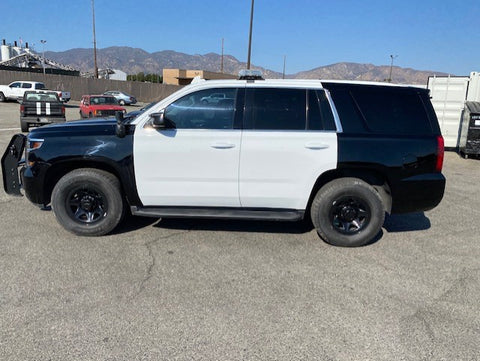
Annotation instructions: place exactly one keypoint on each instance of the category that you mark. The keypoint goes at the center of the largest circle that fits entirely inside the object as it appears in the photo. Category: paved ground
(220, 290)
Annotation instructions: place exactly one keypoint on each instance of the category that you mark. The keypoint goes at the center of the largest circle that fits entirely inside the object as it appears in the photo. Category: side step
(220, 212)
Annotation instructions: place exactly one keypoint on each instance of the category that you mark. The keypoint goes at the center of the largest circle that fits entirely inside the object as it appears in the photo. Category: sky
(438, 35)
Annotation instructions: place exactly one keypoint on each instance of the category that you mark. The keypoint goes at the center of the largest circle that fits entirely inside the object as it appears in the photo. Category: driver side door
(197, 162)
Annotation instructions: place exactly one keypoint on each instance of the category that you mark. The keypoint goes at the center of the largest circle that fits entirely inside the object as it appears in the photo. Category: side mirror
(119, 127)
(160, 122)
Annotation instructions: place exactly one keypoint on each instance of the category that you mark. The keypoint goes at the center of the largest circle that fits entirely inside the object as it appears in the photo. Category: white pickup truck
(16, 90)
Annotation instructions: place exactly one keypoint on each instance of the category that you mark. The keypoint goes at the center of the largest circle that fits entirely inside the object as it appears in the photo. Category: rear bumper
(418, 193)
(41, 120)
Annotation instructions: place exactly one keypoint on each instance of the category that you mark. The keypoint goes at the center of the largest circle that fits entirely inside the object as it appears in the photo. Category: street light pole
(43, 55)
(221, 66)
(94, 42)
(284, 61)
(391, 67)
(250, 37)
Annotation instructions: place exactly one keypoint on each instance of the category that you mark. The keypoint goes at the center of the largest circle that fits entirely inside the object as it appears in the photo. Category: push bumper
(11, 160)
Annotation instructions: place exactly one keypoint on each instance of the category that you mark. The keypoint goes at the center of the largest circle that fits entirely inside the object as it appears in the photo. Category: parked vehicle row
(15, 91)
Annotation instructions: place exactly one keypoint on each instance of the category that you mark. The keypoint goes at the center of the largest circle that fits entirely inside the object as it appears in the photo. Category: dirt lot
(223, 290)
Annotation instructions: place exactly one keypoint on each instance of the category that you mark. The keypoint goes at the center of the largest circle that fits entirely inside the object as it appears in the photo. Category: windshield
(102, 100)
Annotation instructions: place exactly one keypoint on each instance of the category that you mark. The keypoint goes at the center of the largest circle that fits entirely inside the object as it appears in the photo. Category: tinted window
(320, 115)
(350, 117)
(26, 85)
(204, 109)
(39, 86)
(394, 111)
(15, 85)
(276, 109)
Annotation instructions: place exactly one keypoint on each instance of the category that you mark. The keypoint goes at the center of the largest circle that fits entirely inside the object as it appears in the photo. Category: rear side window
(276, 109)
(393, 111)
(39, 86)
(320, 115)
(26, 85)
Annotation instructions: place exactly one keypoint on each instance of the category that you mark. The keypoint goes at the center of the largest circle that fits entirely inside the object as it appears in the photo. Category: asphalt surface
(223, 290)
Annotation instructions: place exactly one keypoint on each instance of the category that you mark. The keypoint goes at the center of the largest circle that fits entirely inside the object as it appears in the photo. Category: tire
(88, 202)
(24, 127)
(121, 102)
(2, 97)
(347, 212)
(90, 115)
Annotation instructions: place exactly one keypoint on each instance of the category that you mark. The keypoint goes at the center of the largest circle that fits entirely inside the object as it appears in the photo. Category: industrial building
(185, 77)
(22, 58)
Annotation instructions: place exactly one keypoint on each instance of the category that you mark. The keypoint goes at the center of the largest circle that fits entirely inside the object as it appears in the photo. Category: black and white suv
(339, 152)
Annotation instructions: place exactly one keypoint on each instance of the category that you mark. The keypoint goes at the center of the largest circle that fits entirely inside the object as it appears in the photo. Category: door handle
(316, 145)
(222, 145)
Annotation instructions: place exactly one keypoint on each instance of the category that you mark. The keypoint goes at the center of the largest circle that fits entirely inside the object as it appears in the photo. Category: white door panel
(187, 167)
(279, 168)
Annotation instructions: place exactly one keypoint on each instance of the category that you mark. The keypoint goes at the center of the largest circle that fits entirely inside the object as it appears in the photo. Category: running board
(222, 212)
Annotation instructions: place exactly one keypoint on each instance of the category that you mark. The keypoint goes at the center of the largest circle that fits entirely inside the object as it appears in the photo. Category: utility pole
(221, 67)
(391, 68)
(284, 61)
(250, 37)
(43, 55)
(94, 42)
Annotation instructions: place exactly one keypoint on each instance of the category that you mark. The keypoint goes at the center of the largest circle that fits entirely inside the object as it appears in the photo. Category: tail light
(63, 110)
(22, 110)
(440, 153)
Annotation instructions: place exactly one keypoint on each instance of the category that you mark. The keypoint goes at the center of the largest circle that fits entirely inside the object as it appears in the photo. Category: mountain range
(135, 60)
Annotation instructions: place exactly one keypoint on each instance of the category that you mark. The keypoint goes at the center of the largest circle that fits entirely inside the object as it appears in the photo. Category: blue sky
(436, 35)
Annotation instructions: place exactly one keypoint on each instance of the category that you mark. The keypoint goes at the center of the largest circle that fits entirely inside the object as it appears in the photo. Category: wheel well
(57, 171)
(376, 179)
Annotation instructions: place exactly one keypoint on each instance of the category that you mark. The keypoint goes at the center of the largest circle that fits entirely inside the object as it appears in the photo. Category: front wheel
(88, 202)
(347, 212)
(122, 102)
(2, 97)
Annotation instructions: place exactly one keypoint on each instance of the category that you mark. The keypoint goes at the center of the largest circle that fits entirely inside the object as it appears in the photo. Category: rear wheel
(347, 212)
(88, 202)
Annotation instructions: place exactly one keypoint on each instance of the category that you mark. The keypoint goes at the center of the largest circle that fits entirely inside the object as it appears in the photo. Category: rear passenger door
(289, 140)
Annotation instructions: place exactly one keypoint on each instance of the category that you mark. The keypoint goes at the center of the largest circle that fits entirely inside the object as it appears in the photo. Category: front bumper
(33, 183)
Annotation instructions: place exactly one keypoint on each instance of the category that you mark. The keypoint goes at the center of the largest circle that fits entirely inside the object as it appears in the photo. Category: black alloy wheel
(349, 215)
(87, 204)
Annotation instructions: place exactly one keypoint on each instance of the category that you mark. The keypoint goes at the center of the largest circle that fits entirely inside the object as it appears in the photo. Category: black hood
(97, 126)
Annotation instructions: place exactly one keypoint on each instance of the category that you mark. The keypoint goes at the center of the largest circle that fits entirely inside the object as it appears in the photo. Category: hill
(135, 60)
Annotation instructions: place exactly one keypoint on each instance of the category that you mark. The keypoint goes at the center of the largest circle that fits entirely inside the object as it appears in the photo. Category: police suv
(341, 153)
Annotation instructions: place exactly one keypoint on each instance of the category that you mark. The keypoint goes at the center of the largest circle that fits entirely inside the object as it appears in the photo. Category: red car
(99, 106)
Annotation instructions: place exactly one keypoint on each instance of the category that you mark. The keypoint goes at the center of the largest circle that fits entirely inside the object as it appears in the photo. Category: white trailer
(449, 94)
